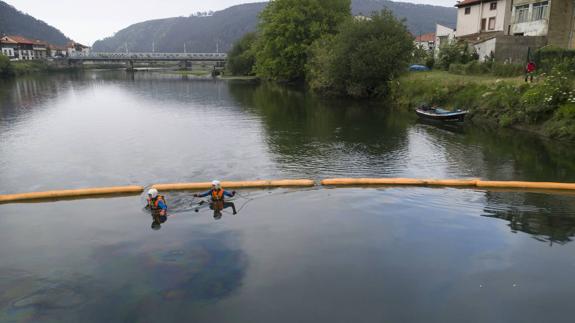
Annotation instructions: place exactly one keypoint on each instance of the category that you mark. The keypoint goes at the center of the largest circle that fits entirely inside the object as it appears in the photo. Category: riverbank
(19, 68)
(546, 106)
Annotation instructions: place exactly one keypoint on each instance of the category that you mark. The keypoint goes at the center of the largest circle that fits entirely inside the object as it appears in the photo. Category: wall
(485, 48)
(468, 24)
(443, 36)
(561, 23)
(471, 24)
(514, 49)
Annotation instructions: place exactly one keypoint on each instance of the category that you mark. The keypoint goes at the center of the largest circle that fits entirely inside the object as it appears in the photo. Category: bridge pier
(130, 66)
(185, 65)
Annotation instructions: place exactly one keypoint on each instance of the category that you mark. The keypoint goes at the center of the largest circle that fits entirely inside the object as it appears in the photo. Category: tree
(287, 28)
(456, 53)
(241, 58)
(362, 59)
(5, 66)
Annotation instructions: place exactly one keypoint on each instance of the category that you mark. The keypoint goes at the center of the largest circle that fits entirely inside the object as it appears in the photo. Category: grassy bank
(546, 106)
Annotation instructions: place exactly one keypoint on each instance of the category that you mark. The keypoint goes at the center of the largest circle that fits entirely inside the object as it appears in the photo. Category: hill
(223, 28)
(15, 22)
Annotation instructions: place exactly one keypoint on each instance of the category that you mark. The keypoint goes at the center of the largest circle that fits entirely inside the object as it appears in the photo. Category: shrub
(549, 58)
(507, 70)
(6, 68)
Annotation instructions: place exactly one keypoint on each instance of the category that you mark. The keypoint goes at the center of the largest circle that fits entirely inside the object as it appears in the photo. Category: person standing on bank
(529, 71)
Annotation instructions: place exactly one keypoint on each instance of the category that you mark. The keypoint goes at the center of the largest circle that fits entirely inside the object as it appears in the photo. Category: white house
(77, 49)
(477, 17)
(426, 42)
(443, 36)
(8, 47)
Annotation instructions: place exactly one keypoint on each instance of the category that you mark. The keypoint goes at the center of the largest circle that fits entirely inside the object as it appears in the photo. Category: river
(383, 254)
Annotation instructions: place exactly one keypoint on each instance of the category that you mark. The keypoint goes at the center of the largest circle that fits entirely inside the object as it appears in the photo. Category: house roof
(8, 40)
(465, 3)
(56, 47)
(74, 44)
(425, 38)
(26, 41)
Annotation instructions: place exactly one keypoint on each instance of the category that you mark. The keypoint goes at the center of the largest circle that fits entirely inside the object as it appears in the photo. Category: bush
(6, 68)
(241, 58)
(549, 58)
(362, 58)
(507, 70)
(455, 53)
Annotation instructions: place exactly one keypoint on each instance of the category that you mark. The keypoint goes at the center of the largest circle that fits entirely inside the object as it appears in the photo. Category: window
(521, 13)
(492, 23)
(483, 24)
(467, 10)
(493, 6)
(540, 10)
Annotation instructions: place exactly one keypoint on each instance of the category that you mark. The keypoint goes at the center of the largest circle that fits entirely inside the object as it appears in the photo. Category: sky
(88, 21)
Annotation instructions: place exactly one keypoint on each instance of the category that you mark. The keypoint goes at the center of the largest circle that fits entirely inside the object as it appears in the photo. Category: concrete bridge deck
(150, 57)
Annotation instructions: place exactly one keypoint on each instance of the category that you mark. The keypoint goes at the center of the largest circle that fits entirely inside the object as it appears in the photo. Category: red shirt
(531, 67)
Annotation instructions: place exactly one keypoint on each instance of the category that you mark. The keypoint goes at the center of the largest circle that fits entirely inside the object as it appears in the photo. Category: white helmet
(216, 184)
(153, 193)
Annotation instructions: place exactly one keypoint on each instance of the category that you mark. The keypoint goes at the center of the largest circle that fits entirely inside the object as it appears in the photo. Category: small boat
(439, 114)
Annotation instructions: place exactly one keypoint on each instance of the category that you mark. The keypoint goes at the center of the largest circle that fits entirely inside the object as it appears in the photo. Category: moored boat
(439, 114)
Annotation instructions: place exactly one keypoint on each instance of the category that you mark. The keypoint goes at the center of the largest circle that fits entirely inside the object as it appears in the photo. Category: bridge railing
(182, 56)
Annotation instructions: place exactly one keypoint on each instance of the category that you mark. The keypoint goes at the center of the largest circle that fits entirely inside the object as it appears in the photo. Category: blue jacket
(209, 193)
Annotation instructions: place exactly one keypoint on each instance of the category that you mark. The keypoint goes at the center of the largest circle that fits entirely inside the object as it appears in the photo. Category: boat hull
(447, 117)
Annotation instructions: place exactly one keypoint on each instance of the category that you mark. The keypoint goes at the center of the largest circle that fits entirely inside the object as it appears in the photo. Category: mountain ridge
(221, 29)
(16, 22)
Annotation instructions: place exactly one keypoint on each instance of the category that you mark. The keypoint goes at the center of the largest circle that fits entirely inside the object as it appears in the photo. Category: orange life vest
(154, 203)
(218, 195)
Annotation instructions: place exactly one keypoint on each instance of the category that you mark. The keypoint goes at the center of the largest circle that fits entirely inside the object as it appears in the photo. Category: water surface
(303, 255)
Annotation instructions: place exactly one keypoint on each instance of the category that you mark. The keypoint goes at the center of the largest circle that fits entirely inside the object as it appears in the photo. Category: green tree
(456, 53)
(362, 59)
(287, 28)
(241, 58)
(6, 68)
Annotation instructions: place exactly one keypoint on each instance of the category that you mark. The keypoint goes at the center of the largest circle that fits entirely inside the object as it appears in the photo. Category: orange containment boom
(398, 181)
(447, 183)
(248, 184)
(88, 192)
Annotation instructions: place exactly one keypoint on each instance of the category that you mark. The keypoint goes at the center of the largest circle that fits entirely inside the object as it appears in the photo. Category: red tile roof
(26, 41)
(8, 40)
(464, 3)
(425, 38)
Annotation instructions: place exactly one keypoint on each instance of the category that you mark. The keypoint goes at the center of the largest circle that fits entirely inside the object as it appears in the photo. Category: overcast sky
(88, 21)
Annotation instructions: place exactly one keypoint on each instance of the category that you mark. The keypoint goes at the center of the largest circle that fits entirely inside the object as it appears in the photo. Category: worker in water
(217, 199)
(156, 203)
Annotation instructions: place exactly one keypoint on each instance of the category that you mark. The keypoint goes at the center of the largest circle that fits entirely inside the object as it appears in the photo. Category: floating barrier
(249, 184)
(398, 181)
(447, 183)
(528, 185)
(88, 192)
(126, 190)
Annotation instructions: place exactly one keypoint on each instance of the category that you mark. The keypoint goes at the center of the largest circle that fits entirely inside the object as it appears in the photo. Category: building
(480, 18)
(27, 49)
(426, 42)
(8, 47)
(75, 49)
(554, 19)
(55, 51)
(508, 30)
(443, 36)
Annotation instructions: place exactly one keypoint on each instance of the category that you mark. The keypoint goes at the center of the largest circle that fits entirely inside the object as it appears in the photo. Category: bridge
(185, 59)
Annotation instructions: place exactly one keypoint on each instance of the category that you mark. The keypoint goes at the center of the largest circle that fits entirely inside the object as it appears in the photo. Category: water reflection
(548, 218)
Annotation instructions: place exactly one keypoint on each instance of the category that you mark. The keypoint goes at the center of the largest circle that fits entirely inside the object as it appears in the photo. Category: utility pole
(126, 45)
(218, 46)
(153, 46)
(184, 47)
